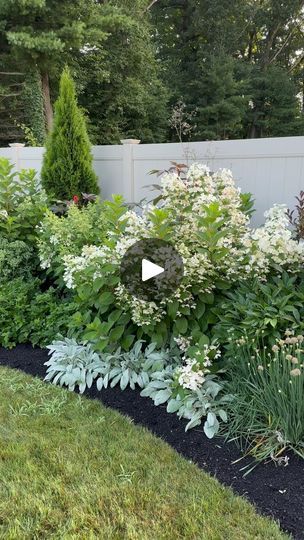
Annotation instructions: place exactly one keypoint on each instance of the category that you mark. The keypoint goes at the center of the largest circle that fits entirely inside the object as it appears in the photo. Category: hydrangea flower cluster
(192, 374)
(274, 244)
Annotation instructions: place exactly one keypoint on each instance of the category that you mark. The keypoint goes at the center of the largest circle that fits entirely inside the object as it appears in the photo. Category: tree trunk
(48, 109)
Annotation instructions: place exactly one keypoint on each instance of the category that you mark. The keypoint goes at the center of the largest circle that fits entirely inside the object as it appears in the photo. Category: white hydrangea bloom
(274, 243)
(190, 376)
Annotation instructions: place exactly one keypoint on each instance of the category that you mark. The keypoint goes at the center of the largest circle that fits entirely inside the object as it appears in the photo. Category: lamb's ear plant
(135, 367)
(193, 405)
(72, 364)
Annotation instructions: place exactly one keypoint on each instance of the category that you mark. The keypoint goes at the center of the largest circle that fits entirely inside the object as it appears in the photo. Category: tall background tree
(237, 66)
(120, 83)
(226, 59)
(108, 45)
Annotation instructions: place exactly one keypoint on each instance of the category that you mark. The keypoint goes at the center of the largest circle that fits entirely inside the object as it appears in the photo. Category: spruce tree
(67, 165)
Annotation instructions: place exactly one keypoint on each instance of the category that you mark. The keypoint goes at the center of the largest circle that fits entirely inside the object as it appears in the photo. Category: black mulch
(277, 491)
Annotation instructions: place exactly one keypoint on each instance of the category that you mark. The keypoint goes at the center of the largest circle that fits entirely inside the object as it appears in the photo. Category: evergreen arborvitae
(67, 166)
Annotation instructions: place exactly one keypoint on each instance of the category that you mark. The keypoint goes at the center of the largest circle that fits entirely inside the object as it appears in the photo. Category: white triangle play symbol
(150, 270)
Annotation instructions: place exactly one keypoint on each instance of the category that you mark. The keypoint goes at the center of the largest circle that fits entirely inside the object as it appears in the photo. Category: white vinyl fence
(271, 169)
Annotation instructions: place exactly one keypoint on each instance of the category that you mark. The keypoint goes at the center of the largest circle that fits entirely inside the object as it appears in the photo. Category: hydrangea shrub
(61, 235)
(204, 218)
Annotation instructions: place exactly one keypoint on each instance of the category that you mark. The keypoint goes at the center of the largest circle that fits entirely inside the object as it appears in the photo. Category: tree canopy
(237, 67)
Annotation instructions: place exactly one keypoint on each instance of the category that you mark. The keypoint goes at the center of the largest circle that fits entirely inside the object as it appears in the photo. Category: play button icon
(151, 269)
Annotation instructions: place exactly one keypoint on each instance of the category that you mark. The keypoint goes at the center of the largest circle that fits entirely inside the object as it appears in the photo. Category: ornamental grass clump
(266, 414)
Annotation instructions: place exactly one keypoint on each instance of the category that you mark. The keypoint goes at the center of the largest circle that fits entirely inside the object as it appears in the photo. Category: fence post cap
(130, 141)
(16, 145)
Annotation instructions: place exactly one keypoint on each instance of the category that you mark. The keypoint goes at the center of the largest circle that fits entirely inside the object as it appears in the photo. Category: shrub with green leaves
(28, 315)
(15, 299)
(49, 316)
(203, 219)
(67, 167)
(261, 310)
(59, 236)
(266, 414)
(22, 203)
(16, 260)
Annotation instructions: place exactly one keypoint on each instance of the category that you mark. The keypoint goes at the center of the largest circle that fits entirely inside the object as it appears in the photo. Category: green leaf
(207, 298)
(204, 340)
(106, 298)
(172, 309)
(127, 341)
(181, 325)
(116, 333)
(114, 315)
(162, 396)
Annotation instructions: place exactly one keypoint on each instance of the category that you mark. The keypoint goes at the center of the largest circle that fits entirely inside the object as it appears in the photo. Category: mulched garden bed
(276, 491)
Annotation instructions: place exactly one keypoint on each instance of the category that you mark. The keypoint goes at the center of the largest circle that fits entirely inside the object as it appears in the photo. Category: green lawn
(72, 469)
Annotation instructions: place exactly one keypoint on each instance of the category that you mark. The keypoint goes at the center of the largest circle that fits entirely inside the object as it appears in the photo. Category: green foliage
(28, 315)
(240, 83)
(120, 79)
(109, 47)
(16, 260)
(261, 310)
(67, 166)
(71, 364)
(15, 299)
(49, 316)
(59, 236)
(133, 61)
(275, 110)
(266, 414)
(220, 104)
(199, 236)
(204, 402)
(22, 203)
(44, 34)
(11, 110)
(34, 121)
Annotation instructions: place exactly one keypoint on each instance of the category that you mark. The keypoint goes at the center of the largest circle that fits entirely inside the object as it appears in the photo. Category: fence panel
(271, 169)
